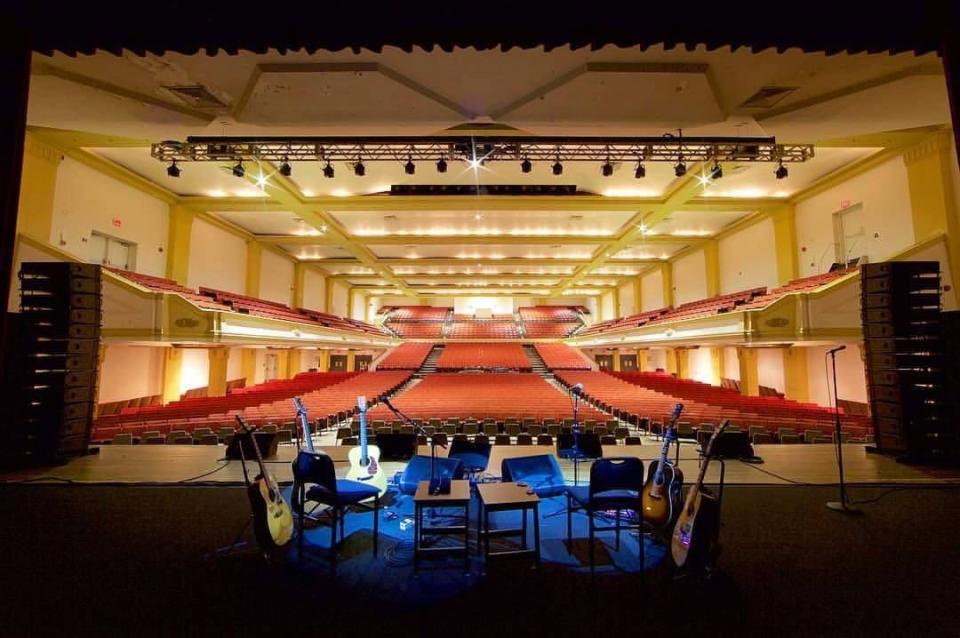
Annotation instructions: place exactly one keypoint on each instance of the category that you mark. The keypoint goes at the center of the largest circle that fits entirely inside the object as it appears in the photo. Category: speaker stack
(60, 318)
(905, 359)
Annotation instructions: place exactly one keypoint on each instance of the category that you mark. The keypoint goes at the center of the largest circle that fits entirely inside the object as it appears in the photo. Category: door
(628, 362)
(270, 366)
(363, 362)
(338, 363)
(605, 361)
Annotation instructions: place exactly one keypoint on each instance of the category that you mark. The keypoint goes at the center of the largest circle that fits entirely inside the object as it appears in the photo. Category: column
(711, 260)
(351, 361)
(349, 312)
(252, 285)
(616, 360)
(283, 363)
(643, 360)
(178, 243)
(672, 367)
(328, 285)
(683, 363)
(217, 371)
(785, 241)
(638, 296)
(932, 200)
(248, 365)
(172, 367)
(749, 371)
(666, 276)
(37, 185)
(796, 384)
(294, 362)
(299, 276)
(323, 361)
(617, 310)
(717, 365)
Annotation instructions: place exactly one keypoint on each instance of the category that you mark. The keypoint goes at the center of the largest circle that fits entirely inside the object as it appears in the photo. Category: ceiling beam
(435, 240)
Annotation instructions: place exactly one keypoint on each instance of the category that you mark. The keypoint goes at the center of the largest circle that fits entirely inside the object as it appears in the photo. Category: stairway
(536, 362)
(430, 363)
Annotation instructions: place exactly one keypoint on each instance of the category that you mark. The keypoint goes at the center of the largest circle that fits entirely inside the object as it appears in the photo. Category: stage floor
(783, 465)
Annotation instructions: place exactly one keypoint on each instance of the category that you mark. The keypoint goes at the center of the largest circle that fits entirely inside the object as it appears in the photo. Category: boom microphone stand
(437, 485)
(841, 505)
(575, 453)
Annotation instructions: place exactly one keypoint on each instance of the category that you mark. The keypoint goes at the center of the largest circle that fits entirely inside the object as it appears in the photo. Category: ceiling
(848, 105)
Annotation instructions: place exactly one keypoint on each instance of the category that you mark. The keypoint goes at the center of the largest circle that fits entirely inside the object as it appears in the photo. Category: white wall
(218, 259)
(338, 299)
(276, 277)
(885, 197)
(627, 302)
(235, 364)
(607, 310)
(358, 309)
(689, 278)
(131, 371)
(86, 200)
(731, 364)
(700, 365)
(651, 291)
(471, 305)
(770, 368)
(657, 359)
(851, 381)
(195, 369)
(314, 290)
(748, 259)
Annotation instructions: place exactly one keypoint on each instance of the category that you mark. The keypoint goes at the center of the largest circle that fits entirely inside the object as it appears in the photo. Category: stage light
(717, 171)
(409, 168)
(441, 165)
(238, 170)
(173, 170)
(328, 170)
(285, 168)
(607, 169)
(359, 169)
(641, 171)
(557, 168)
(781, 171)
(680, 169)
(526, 166)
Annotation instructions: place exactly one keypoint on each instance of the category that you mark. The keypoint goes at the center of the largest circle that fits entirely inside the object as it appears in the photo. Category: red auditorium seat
(558, 356)
(408, 356)
(484, 329)
(486, 356)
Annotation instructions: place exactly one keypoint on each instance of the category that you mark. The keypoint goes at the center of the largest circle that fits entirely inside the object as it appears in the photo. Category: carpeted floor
(85, 560)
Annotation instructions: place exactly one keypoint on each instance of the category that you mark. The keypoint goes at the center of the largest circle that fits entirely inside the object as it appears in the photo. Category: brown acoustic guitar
(687, 531)
(272, 519)
(663, 492)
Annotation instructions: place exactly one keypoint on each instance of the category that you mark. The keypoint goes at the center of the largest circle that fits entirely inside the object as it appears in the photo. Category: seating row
(559, 356)
(407, 356)
(483, 356)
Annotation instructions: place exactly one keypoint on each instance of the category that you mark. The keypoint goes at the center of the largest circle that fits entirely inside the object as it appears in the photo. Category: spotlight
(641, 171)
(781, 171)
(557, 168)
(173, 170)
(717, 171)
(409, 168)
(680, 169)
(441, 165)
(238, 170)
(285, 169)
(328, 170)
(607, 169)
(526, 166)
(359, 169)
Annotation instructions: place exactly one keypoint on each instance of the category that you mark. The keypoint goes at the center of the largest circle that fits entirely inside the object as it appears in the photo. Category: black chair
(474, 455)
(418, 469)
(541, 472)
(524, 439)
(325, 488)
(616, 483)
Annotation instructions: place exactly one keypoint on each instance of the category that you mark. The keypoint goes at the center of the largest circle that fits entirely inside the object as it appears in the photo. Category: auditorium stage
(783, 465)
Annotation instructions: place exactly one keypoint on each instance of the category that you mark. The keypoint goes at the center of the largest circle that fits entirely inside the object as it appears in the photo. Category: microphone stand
(436, 485)
(841, 505)
(575, 454)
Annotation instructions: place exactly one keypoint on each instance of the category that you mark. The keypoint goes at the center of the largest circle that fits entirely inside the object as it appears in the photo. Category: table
(502, 497)
(459, 496)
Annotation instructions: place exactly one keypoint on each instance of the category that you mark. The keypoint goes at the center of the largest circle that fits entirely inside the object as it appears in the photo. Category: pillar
(617, 310)
(294, 359)
(666, 277)
(283, 363)
(178, 243)
(37, 186)
(643, 360)
(351, 361)
(254, 253)
(711, 260)
(638, 297)
(683, 363)
(749, 371)
(248, 365)
(299, 276)
(796, 384)
(672, 367)
(717, 365)
(328, 294)
(616, 361)
(323, 361)
(932, 200)
(349, 312)
(172, 368)
(785, 241)
(217, 371)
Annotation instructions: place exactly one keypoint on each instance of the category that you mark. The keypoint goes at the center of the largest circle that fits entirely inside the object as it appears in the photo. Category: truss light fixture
(173, 170)
(526, 165)
(781, 171)
(359, 169)
(680, 169)
(328, 170)
(641, 171)
(409, 168)
(238, 170)
(607, 169)
(441, 165)
(285, 168)
(717, 171)
(557, 167)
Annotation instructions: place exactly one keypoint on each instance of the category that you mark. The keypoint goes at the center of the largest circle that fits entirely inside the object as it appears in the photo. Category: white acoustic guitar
(365, 459)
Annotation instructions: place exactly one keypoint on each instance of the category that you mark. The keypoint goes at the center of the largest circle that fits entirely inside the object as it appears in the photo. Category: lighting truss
(481, 149)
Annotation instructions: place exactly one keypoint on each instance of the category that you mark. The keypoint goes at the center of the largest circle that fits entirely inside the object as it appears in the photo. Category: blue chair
(316, 470)
(474, 455)
(541, 472)
(418, 469)
(616, 483)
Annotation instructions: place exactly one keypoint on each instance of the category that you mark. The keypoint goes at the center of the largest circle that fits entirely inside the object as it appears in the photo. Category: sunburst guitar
(365, 459)
(663, 492)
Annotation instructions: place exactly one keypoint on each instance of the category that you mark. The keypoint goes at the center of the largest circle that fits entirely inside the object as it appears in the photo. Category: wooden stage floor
(200, 464)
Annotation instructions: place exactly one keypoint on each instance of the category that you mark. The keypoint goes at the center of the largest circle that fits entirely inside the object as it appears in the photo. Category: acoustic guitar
(663, 492)
(365, 459)
(272, 519)
(689, 528)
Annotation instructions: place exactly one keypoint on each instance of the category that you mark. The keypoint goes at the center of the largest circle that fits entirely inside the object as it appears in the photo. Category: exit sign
(844, 203)
(117, 222)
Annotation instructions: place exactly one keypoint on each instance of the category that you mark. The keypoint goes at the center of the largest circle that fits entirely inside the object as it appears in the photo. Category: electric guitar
(689, 530)
(365, 459)
(272, 520)
(663, 492)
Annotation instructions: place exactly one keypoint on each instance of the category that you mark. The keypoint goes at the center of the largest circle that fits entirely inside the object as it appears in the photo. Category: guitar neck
(304, 424)
(363, 435)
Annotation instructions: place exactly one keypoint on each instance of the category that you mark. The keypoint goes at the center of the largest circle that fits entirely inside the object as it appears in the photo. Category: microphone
(837, 349)
(577, 389)
(362, 403)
